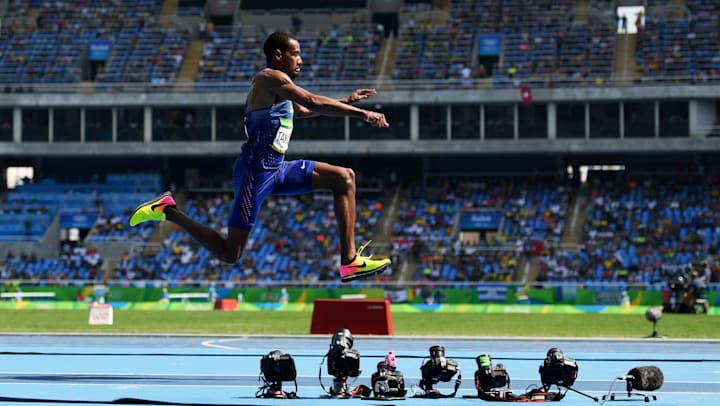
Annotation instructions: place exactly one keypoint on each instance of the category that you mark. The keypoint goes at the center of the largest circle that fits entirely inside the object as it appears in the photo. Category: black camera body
(437, 368)
(278, 367)
(489, 377)
(558, 370)
(343, 360)
(387, 383)
(679, 282)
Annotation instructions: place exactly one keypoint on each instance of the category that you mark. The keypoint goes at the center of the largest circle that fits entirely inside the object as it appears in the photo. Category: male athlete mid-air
(273, 101)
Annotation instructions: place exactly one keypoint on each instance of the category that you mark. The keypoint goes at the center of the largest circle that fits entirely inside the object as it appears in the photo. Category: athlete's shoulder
(272, 76)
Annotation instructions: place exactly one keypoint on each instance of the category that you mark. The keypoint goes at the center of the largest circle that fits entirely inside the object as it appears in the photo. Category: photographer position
(689, 290)
(698, 292)
(678, 283)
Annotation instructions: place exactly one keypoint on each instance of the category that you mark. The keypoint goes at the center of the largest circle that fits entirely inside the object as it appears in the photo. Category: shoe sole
(153, 201)
(364, 274)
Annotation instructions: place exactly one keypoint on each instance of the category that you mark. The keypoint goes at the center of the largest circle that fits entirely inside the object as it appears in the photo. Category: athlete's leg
(228, 249)
(353, 265)
(250, 190)
(341, 181)
(163, 208)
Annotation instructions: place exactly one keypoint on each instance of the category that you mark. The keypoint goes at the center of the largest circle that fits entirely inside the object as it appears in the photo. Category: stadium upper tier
(455, 44)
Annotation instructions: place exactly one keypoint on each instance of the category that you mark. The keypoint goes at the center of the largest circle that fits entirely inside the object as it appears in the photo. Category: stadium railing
(606, 285)
(383, 84)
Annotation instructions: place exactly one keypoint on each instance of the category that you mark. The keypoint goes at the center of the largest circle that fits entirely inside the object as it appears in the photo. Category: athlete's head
(282, 52)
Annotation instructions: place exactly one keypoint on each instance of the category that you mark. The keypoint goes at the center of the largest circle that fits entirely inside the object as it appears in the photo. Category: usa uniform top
(268, 131)
(261, 168)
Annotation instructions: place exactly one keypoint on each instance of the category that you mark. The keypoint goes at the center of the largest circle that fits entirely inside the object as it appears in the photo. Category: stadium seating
(52, 51)
(79, 264)
(681, 49)
(531, 210)
(21, 222)
(466, 266)
(640, 230)
(37, 204)
(347, 56)
(542, 41)
(635, 231)
(664, 49)
(429, 215)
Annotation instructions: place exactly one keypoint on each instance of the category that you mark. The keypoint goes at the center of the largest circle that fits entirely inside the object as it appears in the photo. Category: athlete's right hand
(376, 119)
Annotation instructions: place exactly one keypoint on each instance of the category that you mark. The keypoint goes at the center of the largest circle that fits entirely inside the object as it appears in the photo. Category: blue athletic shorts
(252, 186)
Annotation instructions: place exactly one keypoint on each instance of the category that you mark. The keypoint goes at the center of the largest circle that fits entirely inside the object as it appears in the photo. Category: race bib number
(282, 137)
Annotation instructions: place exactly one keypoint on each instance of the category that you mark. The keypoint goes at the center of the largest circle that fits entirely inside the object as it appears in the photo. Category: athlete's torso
(268, 131)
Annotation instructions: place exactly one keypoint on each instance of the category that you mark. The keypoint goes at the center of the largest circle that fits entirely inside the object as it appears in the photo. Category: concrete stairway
(575, 220)
(677, 9)
(625, 67)
(386, 58)
(191, 65)
(169, 8)
(581, 10)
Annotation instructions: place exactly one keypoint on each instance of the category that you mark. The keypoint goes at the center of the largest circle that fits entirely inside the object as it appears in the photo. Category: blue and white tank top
(268, 131)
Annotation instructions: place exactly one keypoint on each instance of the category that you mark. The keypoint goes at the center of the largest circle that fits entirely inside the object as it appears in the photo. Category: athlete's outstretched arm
(357, 95)
(354, 97)
(315, 104)
(308, 103)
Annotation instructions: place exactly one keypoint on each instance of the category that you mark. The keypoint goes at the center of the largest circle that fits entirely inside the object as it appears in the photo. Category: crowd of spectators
(532, 209)
(48, 45)
(681, 48)
(635, 230)
(466, 264)
(330, 53)
(438, 44)
(73, 264)
(641, 230)
(543, 40)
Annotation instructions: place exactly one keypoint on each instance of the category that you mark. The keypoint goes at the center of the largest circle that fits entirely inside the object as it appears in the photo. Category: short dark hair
(276, 40)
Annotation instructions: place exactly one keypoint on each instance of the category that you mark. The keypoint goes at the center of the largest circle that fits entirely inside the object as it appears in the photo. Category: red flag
(526, 95)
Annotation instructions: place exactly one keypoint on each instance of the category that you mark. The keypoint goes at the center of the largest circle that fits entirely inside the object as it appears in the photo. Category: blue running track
(94, 369)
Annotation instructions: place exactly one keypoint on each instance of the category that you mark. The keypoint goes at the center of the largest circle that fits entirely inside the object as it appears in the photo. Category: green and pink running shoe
(153, 210)
(362, 267)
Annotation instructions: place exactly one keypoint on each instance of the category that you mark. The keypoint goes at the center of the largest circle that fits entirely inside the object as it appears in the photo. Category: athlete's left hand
(360, 94)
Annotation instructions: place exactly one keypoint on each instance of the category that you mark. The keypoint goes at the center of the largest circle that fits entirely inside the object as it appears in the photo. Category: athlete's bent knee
(230, 255)
(348, 180)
